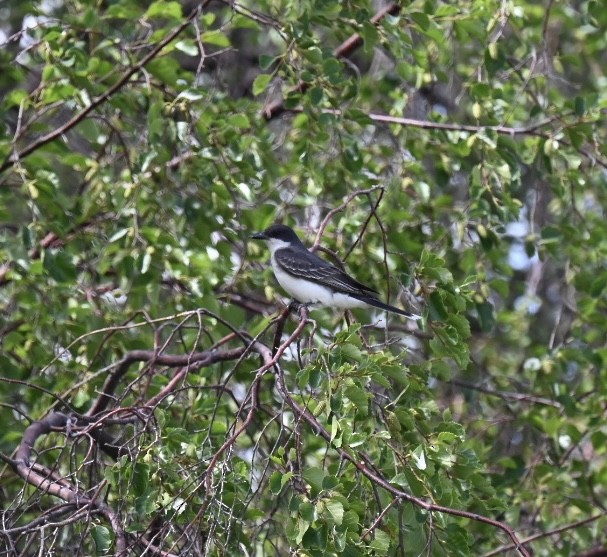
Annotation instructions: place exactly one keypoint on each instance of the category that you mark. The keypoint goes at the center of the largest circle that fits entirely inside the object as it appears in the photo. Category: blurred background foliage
(464, 143)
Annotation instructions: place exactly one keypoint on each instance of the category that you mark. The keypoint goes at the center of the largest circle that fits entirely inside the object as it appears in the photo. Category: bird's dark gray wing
(304, 264)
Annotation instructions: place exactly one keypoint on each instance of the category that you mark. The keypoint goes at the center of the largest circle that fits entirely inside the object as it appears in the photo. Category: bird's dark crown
(278, 232)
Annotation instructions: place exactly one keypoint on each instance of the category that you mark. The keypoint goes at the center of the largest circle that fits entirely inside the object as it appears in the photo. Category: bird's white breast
(308, 292)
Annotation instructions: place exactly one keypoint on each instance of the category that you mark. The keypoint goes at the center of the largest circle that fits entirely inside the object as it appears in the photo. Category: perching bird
(312, 280)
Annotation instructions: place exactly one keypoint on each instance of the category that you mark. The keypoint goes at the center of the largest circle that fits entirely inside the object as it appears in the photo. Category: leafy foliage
(451, 153)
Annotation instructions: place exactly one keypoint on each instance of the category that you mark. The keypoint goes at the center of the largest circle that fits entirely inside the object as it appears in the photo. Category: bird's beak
(259, 236)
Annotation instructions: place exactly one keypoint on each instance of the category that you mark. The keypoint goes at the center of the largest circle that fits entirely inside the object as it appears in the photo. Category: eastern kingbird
(312, 280)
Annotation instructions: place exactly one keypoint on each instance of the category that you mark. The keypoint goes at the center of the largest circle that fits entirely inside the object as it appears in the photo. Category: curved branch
(55, 420)
(191, 361)
(60, 488)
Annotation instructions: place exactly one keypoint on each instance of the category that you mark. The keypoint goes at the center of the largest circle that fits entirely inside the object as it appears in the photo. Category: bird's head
(278, 232)
(278, 236)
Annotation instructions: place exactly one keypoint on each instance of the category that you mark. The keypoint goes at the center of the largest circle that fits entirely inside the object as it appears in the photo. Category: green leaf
(330, 482)
(265, 61)
(419, 457)
(421, 19)
(103, 538)
(122, 11)
(359, 397)
(486, 316)
(380, 542)
(145, 504)
(351, 352)
(276, 483)
(164, 69)
(316, 95)
(216, 38)
(461, 324)
(60, 266)
(438, 311)
(302, 528)
(579, 106)
(285, 479)
(16, 97)
(307, 512)
(141, 473)
(188, 47)
(239, 121)
(164, 9)
(314, 476)
(369, 34)
(441, 370)
(261, 82)
(336, 510)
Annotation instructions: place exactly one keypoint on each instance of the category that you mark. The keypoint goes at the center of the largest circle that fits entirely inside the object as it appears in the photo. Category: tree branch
(61, 488)
(358, 460)
(95, 103)
(192, 361)
(276, 108)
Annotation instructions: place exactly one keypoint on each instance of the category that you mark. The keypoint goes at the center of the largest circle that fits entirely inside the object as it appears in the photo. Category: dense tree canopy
(160, 398)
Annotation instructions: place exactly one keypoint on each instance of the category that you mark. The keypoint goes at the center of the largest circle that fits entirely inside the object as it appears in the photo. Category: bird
(314, 282)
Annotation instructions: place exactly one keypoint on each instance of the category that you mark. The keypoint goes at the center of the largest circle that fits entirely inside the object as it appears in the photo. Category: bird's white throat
(275, 244)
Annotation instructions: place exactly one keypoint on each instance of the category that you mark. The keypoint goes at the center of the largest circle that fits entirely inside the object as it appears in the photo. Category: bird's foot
(296, 306)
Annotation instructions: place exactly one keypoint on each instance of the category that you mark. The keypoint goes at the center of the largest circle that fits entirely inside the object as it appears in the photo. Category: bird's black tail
(387, 307)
